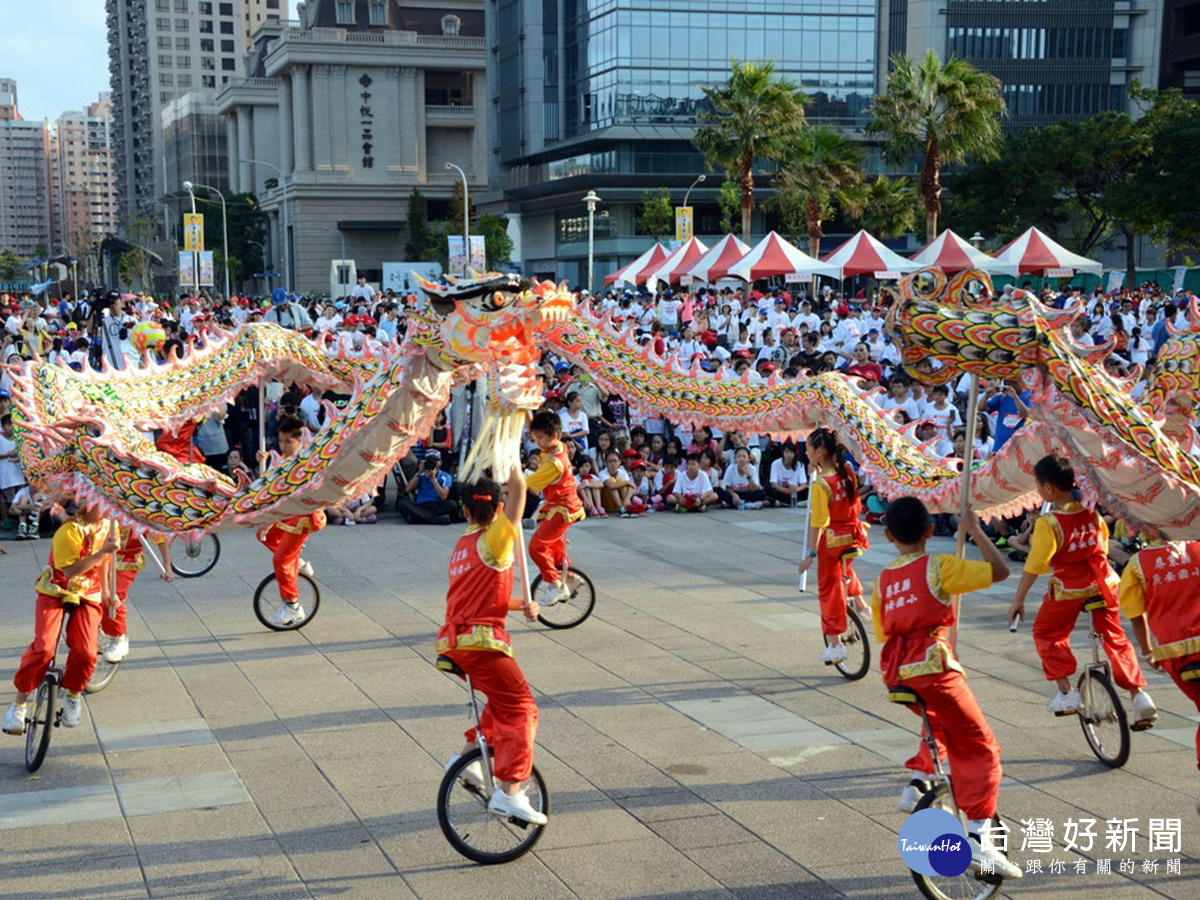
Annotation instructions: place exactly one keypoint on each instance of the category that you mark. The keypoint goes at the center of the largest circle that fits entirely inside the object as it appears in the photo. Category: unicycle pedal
(1141, 725)
(1066, 712)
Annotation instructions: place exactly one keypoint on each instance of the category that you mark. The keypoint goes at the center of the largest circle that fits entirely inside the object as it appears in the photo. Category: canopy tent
(1033, 253)
(640, 269)
(713, 265)
(676, 265)
(775, 256)
(866, 255)
(951, 253)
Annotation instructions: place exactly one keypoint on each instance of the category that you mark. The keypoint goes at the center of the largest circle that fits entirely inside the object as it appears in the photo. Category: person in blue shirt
(428, 501)
(1159, 333)
(1012, 407)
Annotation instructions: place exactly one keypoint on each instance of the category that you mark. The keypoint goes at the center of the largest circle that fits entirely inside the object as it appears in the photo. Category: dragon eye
(496, 301)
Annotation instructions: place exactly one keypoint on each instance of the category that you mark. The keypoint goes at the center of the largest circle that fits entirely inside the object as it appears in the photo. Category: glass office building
(604, 95)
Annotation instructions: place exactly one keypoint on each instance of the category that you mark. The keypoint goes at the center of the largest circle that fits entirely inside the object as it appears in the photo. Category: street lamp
(187, 186)
(591, 200)
(466, 215)
(976, 240)
(195, 255)
(287, 255)
(699, 180)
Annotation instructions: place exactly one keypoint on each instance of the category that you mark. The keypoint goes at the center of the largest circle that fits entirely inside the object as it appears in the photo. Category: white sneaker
(983, 850)
(1065, 704)
(834, 653)
(754, 504)
(516, 805)
(1145, 713)
(306, 568)
(117, 650)
(287, 614)
(14, 721)
(549, 593)
(472, 774)
(72, 711)
(911, 795)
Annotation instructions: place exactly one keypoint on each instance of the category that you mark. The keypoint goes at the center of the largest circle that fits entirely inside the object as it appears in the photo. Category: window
(162, 23)
(272, 4)
(164, 61)
(183, 43)
(345, 12)
(183, 25)
(227, 9)
(181, 6)
(162, 5)
(164, 43)
(228, 65)
(184, 81)
(166, 79)
(208, 64)
(205, 8)
(208, 81)
(206, 45)
(227, 47)
(450, 25)
(379, 12)
(183, 62)
(226, 28)
(206, 27)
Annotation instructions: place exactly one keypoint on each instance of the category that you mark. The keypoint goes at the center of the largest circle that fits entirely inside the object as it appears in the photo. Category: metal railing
(464, 112)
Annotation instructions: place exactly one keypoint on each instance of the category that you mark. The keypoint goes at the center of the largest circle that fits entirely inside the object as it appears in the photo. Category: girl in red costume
(560, 509)
(835, 536)
(477, 603)
(130, 560)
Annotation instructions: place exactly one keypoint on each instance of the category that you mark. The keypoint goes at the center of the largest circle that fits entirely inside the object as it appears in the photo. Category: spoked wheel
(105, 672)
(968, 885)
(858, 649)
(572, 611)
(38, 723)
(1103, 720)
(474, 832)
(267, 602)
(192, 557)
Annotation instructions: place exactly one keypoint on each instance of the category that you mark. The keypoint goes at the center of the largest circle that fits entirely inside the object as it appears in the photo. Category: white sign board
(797, 277)
(1065, 272)
(1115, 281)
(398, 276)
(1180, 274)
(886, 275)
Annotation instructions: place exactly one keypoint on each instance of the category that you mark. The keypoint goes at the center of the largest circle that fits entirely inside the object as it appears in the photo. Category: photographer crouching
(432, 487)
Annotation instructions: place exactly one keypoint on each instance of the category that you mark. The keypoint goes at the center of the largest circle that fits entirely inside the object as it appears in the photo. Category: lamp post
(591, 200)
(187, 186)
(699, 180)
(287, 255)
(466, 216)
(976, 240)
(75, 279)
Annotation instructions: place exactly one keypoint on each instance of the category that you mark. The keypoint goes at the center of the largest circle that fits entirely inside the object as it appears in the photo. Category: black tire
(1102, 717)
(571, 612)
(266, 601)
(103, 676)
(968, 885)
(39, 723)
(193, 558)
(858, 648)
(476, 833)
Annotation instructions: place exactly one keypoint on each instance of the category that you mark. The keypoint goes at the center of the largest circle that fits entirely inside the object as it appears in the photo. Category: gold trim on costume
(481, 637)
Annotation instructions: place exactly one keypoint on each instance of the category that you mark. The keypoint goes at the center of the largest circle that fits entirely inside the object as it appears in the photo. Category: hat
(433, 454)
(4, 394)
(741, 354)
(640, 463)
(629, 453)
(769, 367)
(279, 296)
(72, 325)
(843, 311)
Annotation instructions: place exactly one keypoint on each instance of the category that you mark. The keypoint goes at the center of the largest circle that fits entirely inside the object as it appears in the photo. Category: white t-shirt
(363, 291)
(10, 470)
(735, 480)
(887, 404)
(783, 476)
(619, 475)
(571, 424)
(947, 419)
(698, 485)
(668, 312)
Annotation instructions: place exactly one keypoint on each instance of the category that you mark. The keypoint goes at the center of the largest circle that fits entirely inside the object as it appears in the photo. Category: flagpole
(965, 501)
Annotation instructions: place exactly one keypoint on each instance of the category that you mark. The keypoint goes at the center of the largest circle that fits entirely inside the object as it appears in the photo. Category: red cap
(769, 367)
(843, 311)
(630, 452)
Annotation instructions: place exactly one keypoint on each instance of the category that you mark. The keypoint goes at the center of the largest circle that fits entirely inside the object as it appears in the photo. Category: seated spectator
(618, 488)
(708, 466)
(664, 482)
(787, 484)
(692, 490)
(640, 478)
(591, 488)
(361, 511)
(431, 488)
(741, 481)
(603, 446)
(702, 439)
(574, 421)
(28, 509)
(930, 433)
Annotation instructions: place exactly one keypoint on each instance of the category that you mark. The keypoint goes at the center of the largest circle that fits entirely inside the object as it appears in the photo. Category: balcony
(459, 114)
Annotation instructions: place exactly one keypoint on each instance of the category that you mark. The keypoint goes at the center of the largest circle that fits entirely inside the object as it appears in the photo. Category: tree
(657, 215)
(820, 166)
(947, 114)
(729, 203)
(498, 244)
(456, 208)
(425, 242)
(12, 267)
(134, 266)
(754, 117)
(886, 207)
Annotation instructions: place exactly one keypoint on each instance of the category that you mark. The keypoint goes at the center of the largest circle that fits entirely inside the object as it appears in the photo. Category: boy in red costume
(1160, 594)
(130, 561)
(1072, 543)
(560, 509)
(75, 581)
(835, 536)
(286, 539)
(473, 636)
(913, 613)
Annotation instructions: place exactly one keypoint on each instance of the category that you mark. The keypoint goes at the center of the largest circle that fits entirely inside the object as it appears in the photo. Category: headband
(482, 497)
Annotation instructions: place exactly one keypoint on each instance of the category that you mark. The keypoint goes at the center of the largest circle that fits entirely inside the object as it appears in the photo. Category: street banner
(206, 268)
(399, 277)
(1180, 274)
(193, 232)
(187, 269)
(478, 253)
(457, 254)
(684, 224)
(1116, 280)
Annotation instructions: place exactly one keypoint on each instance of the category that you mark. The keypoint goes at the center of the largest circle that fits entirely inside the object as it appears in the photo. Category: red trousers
(964, 737)
(82, 645)
(112, 622)
(509, 720)
(854, 587)
(831, 588)
(285, 550)
(1052, 636)
(1191, 689)
(548, 546)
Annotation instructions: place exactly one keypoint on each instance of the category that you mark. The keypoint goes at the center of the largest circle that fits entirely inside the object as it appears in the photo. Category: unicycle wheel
(574, 609)
(38, 723)
(1102, 717)
(103, 676)
(858, 648)
(477, 834)
(267, 603)
(193, 557)
(967, 886)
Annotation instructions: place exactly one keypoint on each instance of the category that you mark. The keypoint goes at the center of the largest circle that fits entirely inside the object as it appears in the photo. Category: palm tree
(886, 207)
(754, 116)
(820, 166)
(947, 113)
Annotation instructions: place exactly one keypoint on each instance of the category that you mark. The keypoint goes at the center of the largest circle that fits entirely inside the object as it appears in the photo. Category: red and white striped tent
(951, 253)
(676, 265)
(640, 269)
(1033, 253)
(712, 266)
(775, 256)
(866, 255)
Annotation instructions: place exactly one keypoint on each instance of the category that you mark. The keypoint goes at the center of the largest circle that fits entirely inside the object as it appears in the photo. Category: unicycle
(973, 884)
(1101, 714)
(858, 649)
(267, 603)
(462, 800)
(44, 713)
(193, 557)
(103, 675)
(572, 610)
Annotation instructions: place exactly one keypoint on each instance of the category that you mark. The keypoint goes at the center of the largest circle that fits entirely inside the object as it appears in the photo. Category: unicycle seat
(1190, 672)
(1094, 603)
(446, 664)
(905, 696)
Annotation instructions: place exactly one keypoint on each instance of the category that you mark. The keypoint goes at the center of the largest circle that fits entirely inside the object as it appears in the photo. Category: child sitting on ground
(664, 482)
(692, 491)
(591, 489)
(618, 489)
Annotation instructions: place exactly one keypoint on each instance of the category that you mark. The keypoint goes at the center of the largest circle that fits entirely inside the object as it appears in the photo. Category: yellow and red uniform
(912, 614)
(1163, 584)
(73, 541)
(836, 511)
(477, 602)
(130, 560)
(178, 444)
(285, 540)
(1072, 543)
(560, 509)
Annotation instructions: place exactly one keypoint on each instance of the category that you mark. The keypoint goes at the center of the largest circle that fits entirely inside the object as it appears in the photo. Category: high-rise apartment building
(1181, 46)
(159, 51)
(24, 177)
(84, 194)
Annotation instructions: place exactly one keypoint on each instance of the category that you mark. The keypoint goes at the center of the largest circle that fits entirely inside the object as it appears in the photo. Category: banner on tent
(797, 277)
(887, 275)
(1064, 272)
(685, 280)
(1115, 281)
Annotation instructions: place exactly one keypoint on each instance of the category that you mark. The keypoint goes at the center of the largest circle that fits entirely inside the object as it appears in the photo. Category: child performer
(130, 560)
(560, 509)
(1160, 594)
(835, 535)
(1072, 542)
(286, 539)
(75, 581)
(912, 613)
(473, 636)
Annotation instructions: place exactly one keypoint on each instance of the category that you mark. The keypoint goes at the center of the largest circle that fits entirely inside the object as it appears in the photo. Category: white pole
(807, 527)
(965, 502)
